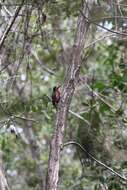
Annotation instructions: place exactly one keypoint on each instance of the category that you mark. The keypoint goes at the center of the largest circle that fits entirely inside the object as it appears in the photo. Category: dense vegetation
(34, 57)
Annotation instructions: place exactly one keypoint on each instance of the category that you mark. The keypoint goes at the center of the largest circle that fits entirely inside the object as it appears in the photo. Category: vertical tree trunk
(3, 181)
(67, 93)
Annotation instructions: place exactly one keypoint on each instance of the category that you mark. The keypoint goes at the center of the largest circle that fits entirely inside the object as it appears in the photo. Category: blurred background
(33, 59)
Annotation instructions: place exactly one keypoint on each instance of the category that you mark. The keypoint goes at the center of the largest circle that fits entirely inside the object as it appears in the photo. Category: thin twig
(5, 67)
(102, 99)
(97, 40)
(80, 117)
(7, 11)
(109, 18)
(93, 158)
(24, 118)
(120, 4)
(103, 27)
(40, 62)
(10, 25)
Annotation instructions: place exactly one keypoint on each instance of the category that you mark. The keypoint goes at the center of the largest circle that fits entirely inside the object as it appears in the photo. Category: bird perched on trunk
(56, 96)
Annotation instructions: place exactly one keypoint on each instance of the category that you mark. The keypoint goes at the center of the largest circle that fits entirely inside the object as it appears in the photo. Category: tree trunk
(67, 93)
(3, 181)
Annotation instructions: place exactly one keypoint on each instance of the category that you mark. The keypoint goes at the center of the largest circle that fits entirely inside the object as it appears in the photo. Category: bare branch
(101, 97)
(99, 39)
(93, 158)
(24, 118)
(10, 25)
(80, 117)
(109, 18)
(41, 63)
(103, 27)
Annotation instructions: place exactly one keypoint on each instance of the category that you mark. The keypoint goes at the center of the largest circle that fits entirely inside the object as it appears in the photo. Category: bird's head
(56, 88)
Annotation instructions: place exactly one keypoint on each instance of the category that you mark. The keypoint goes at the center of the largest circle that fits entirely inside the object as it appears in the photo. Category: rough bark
(67, 93)
(3, 181)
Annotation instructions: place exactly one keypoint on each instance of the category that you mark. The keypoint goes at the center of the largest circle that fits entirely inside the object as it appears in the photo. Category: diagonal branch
(4, 36)
(103, 27)
(93, 158)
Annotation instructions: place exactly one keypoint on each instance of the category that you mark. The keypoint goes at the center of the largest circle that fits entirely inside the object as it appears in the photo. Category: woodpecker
(56, 96)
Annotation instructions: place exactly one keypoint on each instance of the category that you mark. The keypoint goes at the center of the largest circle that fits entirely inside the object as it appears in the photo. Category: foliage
(34, 58)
